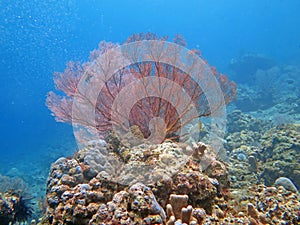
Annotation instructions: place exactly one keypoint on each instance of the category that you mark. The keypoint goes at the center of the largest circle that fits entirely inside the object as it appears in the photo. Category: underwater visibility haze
(150, 112)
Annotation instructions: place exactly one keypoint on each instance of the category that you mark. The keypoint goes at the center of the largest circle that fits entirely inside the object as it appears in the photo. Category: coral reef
(80, 191)
(268, 205)
(280, 154)
(274, 91)
(14, 207)
(261, 205)
(16, 201)
(260, 153)
(12, 183)
(246, 65)
(135, 206)
(114, 182)
(244, 130)
(238, 121)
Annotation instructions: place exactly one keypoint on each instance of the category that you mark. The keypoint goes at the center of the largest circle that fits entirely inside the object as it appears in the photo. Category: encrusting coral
(77, 193)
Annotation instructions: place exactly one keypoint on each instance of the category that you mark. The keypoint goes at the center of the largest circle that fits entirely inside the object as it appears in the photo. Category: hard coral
(188, 196)
(76, 196)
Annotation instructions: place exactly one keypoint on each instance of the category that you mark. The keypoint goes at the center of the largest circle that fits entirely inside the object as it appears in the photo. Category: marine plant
(146, 107)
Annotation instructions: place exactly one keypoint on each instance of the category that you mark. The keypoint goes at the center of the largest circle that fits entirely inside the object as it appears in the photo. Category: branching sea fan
(153, 96)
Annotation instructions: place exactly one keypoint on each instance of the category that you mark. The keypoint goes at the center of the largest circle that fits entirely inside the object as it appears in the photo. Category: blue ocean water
(38, 38)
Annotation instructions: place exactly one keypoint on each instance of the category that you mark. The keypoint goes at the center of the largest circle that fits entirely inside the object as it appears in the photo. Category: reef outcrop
(80, 189)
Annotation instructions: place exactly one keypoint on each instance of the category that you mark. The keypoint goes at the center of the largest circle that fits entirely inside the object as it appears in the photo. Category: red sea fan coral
(160, 94)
